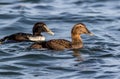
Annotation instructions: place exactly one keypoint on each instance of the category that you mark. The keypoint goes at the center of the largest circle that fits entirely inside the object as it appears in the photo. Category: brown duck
(38, 28)
(61, 44)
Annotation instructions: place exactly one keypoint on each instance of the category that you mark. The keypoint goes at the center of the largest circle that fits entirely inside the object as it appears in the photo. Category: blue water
(99, 59)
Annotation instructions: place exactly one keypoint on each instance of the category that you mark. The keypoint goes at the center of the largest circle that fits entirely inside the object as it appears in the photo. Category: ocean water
(99, 59)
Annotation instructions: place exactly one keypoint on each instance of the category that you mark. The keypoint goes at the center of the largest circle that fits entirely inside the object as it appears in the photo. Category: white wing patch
(36, 38)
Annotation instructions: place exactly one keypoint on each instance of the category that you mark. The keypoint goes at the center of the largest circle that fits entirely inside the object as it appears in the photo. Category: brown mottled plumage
(61, 44)
(36, 36)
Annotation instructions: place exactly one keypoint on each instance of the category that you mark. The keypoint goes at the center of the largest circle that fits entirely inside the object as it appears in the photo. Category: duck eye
(39, 24)
(81, 26)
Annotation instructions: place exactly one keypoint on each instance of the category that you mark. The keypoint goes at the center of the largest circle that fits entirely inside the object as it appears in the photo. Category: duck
(62, 44)
(37, 29)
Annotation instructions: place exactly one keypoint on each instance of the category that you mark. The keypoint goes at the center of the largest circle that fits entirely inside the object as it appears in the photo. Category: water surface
(99, 59)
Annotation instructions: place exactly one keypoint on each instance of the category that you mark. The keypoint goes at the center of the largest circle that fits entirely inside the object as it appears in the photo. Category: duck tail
(3, 39)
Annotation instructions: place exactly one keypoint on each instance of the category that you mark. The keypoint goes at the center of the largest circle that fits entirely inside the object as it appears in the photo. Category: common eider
(61, 44)
(38, 28)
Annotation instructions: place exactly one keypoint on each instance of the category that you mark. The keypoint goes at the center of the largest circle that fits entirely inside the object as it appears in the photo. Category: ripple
(31, 64)
(105, 76)
(43, 7)
(10, 73)
(9, 67)
(32, 57)
(89, 72)
(108, 45)
(8, 16)
(106, 55)
(61, 69)
(27, 57)
(37, 1)
(3, 53)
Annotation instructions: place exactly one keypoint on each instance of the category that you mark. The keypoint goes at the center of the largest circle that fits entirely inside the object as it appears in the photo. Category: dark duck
(61, 44)
(38, 28)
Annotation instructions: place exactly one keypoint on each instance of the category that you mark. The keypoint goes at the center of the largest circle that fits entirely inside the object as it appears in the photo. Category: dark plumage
(38, 28)
(54, 44)
(61, 44)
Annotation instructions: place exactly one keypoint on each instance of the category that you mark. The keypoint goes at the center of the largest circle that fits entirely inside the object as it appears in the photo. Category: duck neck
(76, 41)
(37, 34)
(36, 31)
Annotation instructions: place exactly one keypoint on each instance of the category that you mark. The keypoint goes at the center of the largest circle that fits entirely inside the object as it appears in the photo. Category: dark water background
(99, 59)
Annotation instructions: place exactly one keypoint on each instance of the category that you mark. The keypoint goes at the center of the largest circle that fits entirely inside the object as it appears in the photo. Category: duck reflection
(77, 54)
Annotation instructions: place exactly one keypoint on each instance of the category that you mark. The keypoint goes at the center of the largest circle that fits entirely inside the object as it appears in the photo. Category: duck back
(58, 44)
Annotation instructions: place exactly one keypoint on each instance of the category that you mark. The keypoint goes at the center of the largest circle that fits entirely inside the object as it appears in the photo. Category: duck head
(79, 29)
(40, 27)
(76, 31)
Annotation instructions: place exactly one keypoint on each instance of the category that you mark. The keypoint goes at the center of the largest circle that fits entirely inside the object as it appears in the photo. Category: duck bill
(91, 34)
(49, 31)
